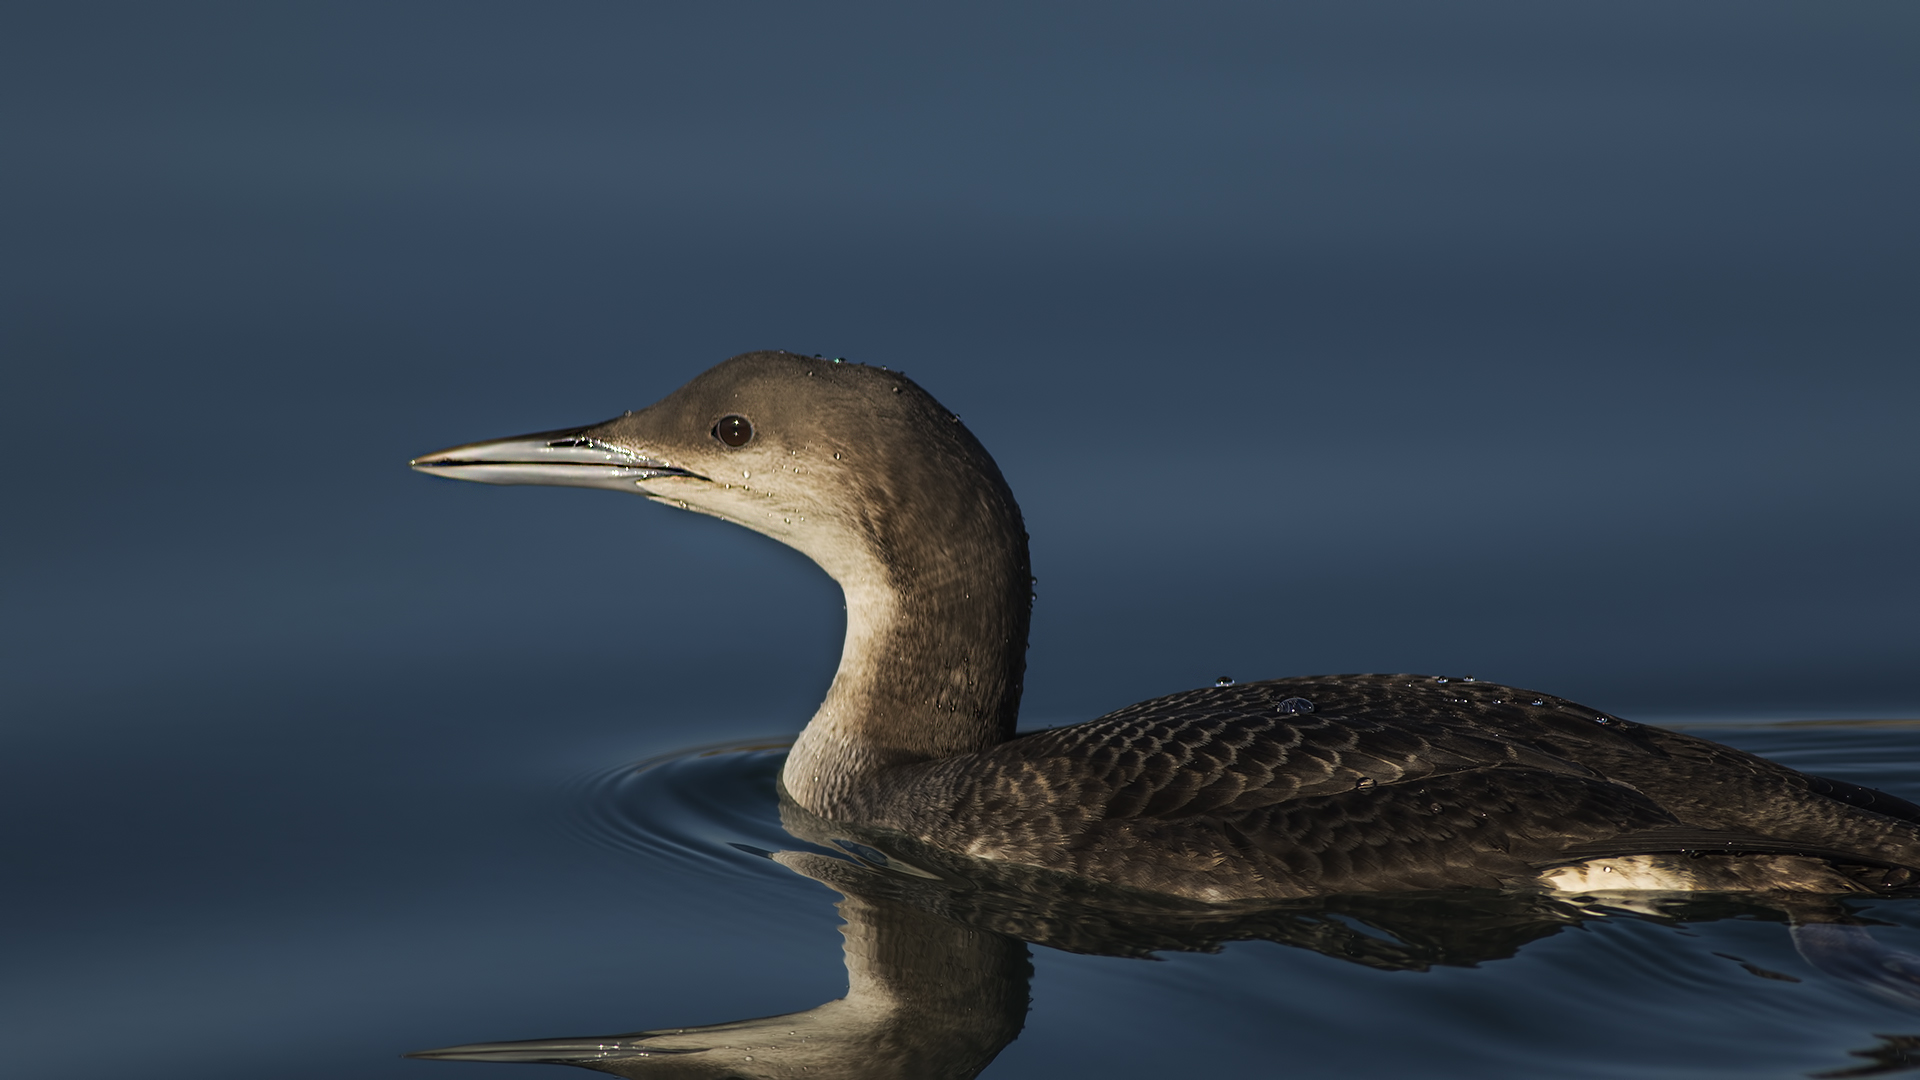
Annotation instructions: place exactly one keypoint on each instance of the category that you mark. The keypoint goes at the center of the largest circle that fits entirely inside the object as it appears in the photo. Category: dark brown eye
(733, 430)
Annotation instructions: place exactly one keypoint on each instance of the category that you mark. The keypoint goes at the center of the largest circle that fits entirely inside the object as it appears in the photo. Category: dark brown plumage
(1390, 783)
(1282, 789)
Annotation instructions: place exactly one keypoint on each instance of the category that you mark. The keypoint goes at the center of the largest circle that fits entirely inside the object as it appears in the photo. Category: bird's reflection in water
(926, 997)
(938, 968)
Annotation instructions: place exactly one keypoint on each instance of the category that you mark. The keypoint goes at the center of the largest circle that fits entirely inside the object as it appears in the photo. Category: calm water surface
(1543, 312)
(1696, 990)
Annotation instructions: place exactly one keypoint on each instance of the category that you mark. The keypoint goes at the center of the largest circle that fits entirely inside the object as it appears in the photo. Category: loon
(1281, 789)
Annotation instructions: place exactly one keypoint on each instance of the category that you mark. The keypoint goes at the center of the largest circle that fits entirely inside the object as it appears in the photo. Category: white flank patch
(1630, 873)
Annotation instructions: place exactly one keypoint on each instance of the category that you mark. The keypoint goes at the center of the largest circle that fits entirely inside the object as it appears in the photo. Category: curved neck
(934, 655)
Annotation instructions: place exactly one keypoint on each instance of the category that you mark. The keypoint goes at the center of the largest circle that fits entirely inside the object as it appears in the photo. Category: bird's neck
(932, 666)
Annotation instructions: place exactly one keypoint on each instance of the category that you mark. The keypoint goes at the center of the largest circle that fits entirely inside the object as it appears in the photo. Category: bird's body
(1387, 783)
(1289, 788)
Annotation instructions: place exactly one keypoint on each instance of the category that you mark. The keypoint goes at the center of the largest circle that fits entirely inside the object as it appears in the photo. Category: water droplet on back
(1294, 705)
(1363, 783)
(1223, 680)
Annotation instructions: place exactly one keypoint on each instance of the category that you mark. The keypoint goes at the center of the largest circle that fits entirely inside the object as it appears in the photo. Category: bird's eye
(733, 430)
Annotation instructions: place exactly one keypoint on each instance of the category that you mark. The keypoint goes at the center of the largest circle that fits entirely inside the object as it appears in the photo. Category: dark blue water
(1567, 347)
(519, 895)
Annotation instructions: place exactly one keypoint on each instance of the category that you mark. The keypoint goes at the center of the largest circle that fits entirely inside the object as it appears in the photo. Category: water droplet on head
(1223, 680)
(1294, 705)
(1539, 701)
(836, 457)
(1603, 719)
(1441, 678)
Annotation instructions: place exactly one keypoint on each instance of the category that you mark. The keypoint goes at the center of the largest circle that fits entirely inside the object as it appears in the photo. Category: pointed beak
(583, 1051)
(570, 458)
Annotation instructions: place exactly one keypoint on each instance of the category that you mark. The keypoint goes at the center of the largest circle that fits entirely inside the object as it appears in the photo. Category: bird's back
(1372, 783)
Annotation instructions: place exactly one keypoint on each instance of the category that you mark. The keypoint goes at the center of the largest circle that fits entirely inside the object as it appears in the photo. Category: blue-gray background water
(1571, 346)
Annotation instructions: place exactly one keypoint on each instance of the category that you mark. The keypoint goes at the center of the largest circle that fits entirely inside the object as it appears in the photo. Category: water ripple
(712, 810)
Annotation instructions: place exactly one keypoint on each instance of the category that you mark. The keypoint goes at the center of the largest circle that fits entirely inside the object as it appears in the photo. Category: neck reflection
(926, 997)
(938, 969)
